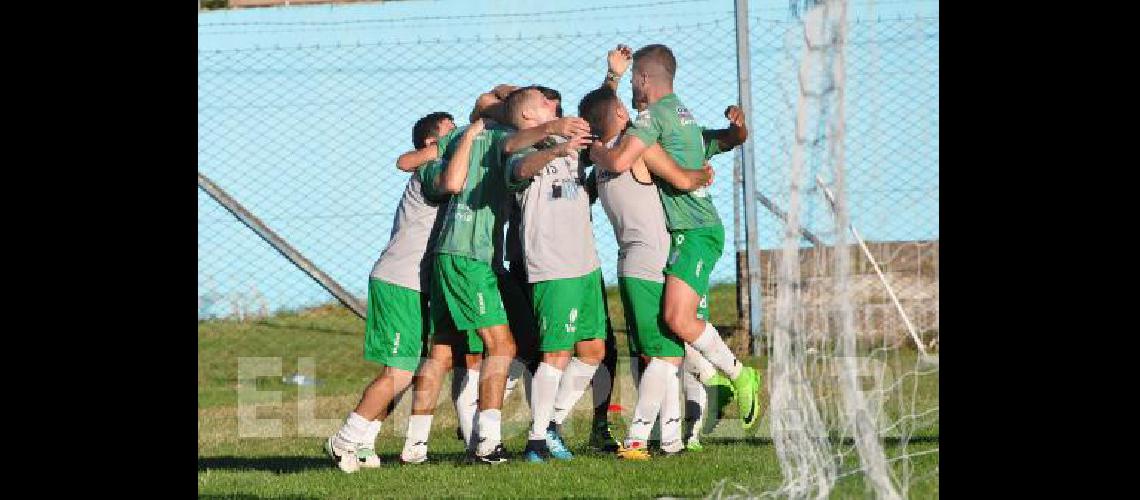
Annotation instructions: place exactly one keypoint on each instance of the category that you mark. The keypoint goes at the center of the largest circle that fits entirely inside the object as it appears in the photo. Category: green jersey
(474, 217)
(669, 122)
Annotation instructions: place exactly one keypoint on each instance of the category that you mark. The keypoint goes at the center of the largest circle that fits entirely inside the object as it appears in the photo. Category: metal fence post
(744, 83)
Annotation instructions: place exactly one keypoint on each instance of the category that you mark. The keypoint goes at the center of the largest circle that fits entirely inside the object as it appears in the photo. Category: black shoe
(497, 456)
(602, 439)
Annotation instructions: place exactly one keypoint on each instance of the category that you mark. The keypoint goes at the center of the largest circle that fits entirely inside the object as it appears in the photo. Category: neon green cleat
(721, 395)
(748, 396)
(694, 445)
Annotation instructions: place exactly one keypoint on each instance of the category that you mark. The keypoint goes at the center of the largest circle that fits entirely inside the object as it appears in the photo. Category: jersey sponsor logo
(563, 189)
(461, 213)
(571, 327)
(685, 116)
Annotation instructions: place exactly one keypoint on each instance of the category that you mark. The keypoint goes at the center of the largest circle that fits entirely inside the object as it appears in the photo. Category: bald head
(656, 61)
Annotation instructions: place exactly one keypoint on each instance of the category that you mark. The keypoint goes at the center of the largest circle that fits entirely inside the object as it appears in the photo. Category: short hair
(427, 126)
(656, 56)
(516, 101)
(593, 109)
(553, 95)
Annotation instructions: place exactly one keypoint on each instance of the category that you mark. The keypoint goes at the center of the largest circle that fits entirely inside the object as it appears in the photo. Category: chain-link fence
(305, 135)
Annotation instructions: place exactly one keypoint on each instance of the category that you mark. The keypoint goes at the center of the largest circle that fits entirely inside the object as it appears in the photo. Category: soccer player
(562, 267)
(467, 309)
(696, 233)
(395, 324)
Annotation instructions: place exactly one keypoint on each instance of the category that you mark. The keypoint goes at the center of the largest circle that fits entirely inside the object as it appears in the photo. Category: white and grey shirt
(413, 229)
(638, 219)
(556, 234)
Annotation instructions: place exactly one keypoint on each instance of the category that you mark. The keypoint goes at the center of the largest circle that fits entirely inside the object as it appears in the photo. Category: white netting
(847, 397)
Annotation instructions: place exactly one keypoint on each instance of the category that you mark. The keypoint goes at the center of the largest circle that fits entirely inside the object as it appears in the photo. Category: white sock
(671, 415)
(695, 398)
(543, 389)
(717, 352)
(574, 383)
(467, 404)
(650, 394)
(697, 365)
(355, 429)
(419, 426)
(373, 432)
(490, 430)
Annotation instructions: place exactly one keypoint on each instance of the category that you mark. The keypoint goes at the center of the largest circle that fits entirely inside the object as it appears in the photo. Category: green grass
(293, 465)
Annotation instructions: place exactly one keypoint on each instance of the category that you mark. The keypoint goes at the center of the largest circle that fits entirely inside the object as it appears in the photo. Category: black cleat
(497, 456)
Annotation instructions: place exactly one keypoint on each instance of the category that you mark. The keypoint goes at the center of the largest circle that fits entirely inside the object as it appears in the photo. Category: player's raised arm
(410, 161)
(662, 165)
(621, 157)
(532, 163)
(455, 174)
(734, 135)
(570, 126)
(617, 61)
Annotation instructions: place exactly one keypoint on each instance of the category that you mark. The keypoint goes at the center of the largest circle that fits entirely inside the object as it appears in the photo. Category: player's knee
(591, 352)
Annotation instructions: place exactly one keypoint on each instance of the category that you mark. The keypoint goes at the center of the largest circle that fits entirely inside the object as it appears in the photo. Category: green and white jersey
(556, 233)
(474, 218)
(669, 122)
(413, 228)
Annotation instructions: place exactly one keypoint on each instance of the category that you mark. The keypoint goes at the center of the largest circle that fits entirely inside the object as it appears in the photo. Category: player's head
(527, 107)
(653, 67)
(602, 109)
(431, 127)
(552, 95)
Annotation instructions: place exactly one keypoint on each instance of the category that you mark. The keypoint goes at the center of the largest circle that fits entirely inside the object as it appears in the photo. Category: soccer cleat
(748, 395)
(367, 457)
(536, 451)
(602, 438)
(694, 445)
(497, 456)
(414, 454)
(722, 394)
(343, 454)
(633, 450)
(555, 444)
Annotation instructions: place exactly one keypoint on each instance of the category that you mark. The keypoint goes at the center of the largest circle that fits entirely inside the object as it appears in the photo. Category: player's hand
(735, 116)
(708, 170)
(477, 126)
(571, 147)
(595, 151)
(502, 90)
(569, 126)
(619, 59)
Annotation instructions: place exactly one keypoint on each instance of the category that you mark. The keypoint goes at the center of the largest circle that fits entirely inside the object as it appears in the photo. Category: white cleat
(414, 454)
(368, 458)
(343, 454)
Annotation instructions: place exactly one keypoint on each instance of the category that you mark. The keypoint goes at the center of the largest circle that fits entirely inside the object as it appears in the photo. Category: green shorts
(395, 326)
(692, 255)
(465, 297)
(569, 311)
(649, 334)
